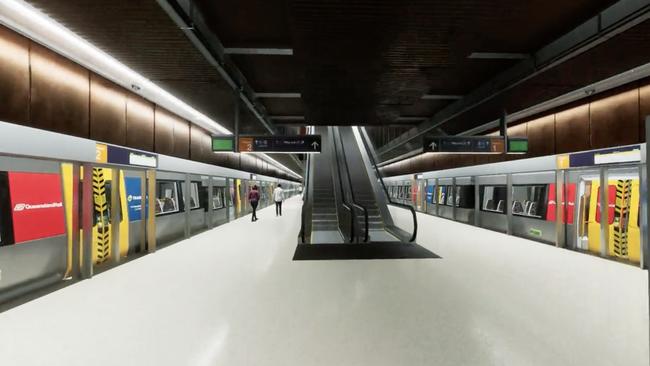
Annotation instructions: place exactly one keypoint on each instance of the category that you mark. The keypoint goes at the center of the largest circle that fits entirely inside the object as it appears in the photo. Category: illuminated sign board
(281, 144)
(517, 145)
(109, 154)
(464, 145)
(223, 144)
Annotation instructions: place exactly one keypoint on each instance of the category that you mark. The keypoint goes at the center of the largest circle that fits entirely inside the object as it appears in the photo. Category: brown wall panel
(60, 94)
(572, 130)
(541, 136)
(14, 77)
(615, 120)
(181, 138)
(644, 108)
(107, 111)
(164, 131)
(139, 123)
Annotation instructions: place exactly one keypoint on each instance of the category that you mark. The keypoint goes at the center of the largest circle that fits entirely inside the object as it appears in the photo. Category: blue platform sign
(430, 194)
(133, 198)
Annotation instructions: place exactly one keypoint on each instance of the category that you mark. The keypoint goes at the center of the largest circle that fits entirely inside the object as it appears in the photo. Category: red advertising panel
(611, 204)
(36, 205)
(567, 202)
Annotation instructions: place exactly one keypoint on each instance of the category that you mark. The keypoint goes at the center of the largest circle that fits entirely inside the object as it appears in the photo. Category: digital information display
(223, 143)
(517, 145)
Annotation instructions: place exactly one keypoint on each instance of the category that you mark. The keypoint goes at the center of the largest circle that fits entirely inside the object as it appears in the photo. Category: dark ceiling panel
(284, 106)
(271, 73)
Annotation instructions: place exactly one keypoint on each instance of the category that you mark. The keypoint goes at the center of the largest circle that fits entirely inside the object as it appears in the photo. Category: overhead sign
(281, 144)
(109, 154)
(625, 154)
(36, 205)
(223, 143)
(459, 145)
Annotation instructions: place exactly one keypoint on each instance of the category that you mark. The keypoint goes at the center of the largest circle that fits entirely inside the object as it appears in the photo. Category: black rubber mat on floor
(310, 252)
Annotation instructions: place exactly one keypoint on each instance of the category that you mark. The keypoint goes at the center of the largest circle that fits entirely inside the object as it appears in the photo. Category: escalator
(345, 209)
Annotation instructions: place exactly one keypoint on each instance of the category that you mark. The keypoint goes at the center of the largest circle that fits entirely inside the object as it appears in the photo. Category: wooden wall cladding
(60, 94)
(107, 111)
(181, 138)
(541, 136)
(644, 109)
(164, 131)
(139, 123)
(615, 120)
(572, 130)
(198, 148)
(14, 77)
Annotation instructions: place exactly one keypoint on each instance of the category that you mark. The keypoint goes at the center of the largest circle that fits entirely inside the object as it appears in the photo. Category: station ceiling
(354, 62)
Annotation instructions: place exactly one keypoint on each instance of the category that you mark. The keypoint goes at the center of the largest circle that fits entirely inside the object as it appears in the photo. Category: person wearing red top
(254, 198)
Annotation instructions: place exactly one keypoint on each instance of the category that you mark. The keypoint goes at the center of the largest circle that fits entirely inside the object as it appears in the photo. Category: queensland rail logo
(26, 206)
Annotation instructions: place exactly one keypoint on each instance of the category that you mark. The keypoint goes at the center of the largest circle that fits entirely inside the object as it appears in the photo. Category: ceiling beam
(614, 20)
(498, 56)
(194, 26)
(259, 51)
(288, 118)
(278, 95)
(441, 97)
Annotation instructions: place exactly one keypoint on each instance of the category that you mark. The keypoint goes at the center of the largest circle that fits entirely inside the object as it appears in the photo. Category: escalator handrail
(343, 198)
(385, 189)
(354, 200)
(305, 199)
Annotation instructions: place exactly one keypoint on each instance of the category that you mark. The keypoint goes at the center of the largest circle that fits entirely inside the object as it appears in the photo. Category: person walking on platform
(278, 197)
(254, 199)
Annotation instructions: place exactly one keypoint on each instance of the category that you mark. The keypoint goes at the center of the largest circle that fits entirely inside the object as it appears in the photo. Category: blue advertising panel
(133, 198)
(429, 194)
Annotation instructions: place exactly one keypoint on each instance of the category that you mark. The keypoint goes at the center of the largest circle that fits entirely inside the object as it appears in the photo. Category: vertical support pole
(115, 216)
(236, 127)
(210, 217)
(87, 213)
(645, 254)
(453, 199)
(227, 199)
(503, 127)
(643, 210)
(151, 213)
(508, 207)
(560, 237)
(477, 201)
(188, 206)
(76, 244)
(604, 212)
(144, 210)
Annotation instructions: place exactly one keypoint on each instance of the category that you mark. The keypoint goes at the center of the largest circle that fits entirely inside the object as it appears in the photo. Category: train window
(465, 196)
(166, 197)
(450, 197)
(217, 198)
(442, 194)
(493, 199)
(194, 195)
(529, 200)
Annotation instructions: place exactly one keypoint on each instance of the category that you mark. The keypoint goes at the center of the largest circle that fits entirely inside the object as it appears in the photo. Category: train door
(580, 195)
(622, 229)
(219, 201)
(33, 226)
(431, 197)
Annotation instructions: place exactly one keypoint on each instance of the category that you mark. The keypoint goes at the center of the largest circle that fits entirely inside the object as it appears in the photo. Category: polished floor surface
(232, 296)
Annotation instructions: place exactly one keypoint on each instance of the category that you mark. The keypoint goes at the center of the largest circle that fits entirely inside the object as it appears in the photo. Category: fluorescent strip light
(277, 163)
(25, 19)
(259, 51)
(278, 95)
(441, 97)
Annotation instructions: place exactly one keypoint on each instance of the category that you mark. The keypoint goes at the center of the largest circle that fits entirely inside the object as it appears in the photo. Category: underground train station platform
(234, 296)
(463, 183)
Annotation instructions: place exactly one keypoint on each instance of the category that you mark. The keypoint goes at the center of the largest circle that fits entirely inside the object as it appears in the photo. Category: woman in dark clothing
(254, 198)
